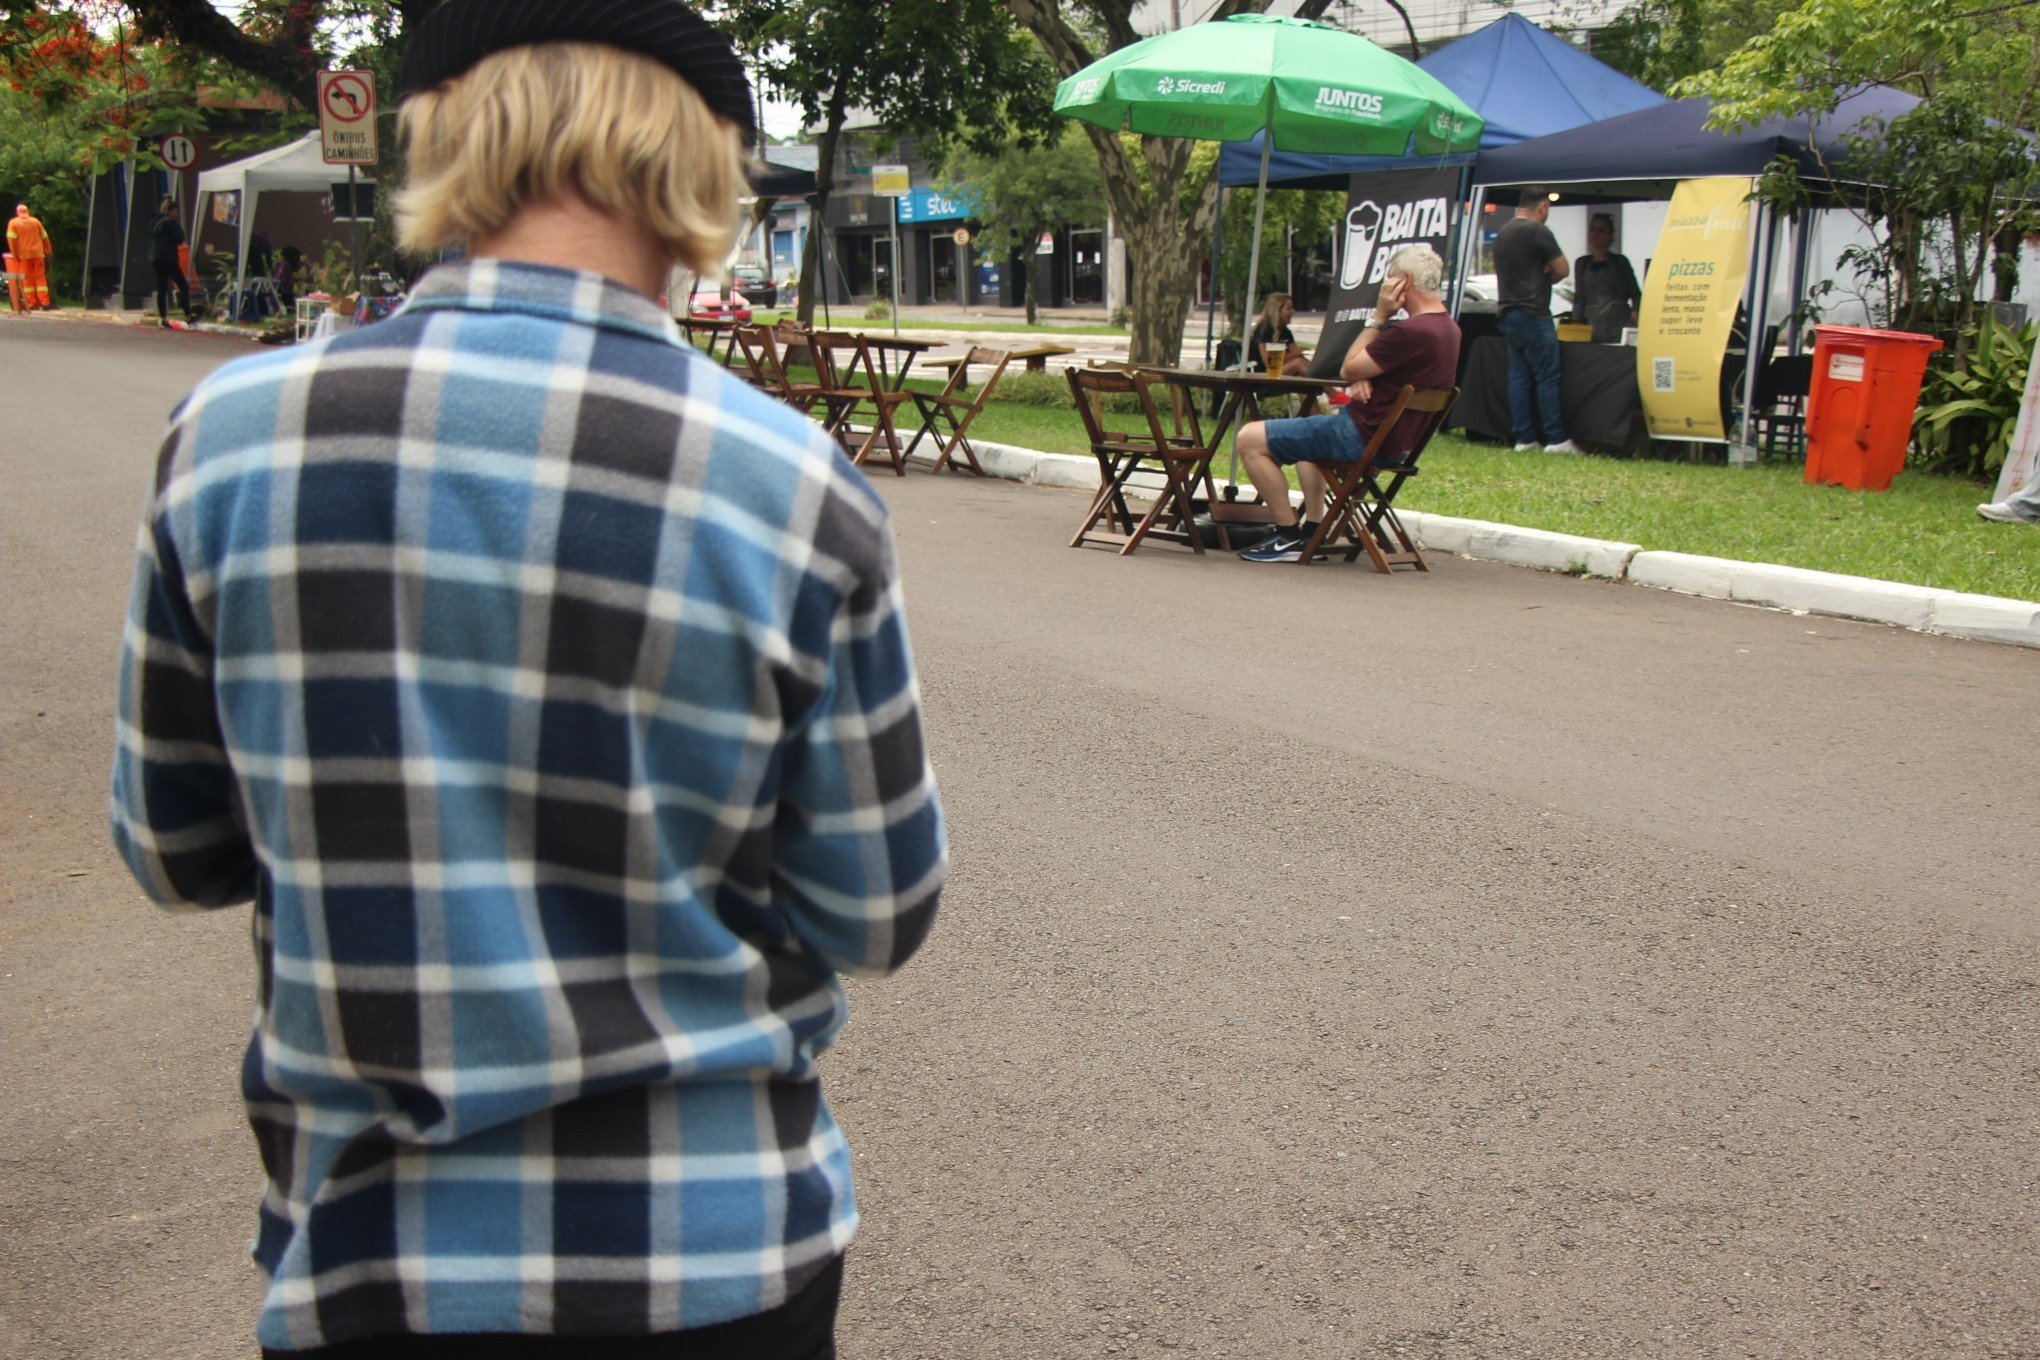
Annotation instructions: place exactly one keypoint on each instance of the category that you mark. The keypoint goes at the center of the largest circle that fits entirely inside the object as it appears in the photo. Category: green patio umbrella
(1312, 87)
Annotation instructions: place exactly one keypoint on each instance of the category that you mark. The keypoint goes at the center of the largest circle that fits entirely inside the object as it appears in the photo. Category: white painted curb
(1986, 618)
(1519, 547)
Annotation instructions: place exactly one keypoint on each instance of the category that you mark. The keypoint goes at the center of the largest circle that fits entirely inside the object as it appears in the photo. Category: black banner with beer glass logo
(1385, 211)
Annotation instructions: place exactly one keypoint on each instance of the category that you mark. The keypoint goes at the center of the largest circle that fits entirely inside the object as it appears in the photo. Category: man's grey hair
(1422, 266)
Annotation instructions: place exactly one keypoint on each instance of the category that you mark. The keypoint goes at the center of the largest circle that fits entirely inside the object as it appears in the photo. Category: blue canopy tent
(1646, 153)
(1642, 154)
(1524, 81)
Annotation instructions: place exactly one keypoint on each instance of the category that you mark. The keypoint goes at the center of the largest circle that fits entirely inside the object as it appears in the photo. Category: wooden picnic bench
(1035, 358)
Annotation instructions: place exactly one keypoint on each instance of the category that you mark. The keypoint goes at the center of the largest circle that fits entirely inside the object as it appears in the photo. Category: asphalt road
(1485, 963)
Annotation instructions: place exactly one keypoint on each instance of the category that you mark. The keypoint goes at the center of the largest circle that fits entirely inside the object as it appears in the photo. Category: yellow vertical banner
(1689, 300)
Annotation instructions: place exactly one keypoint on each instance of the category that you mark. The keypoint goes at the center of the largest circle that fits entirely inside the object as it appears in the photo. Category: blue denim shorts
(1330, 438)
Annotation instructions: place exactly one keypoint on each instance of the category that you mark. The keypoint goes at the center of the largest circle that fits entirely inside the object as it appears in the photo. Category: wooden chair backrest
(841, 360)
(1430, 406)
(1090, 386)
(979, 357)
(761, 353)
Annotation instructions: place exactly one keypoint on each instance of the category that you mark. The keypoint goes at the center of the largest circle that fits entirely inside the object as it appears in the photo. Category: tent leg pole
(1754, 357)
(1466, 248)
(1232, 476)
(1802, 251)
(1453, 242)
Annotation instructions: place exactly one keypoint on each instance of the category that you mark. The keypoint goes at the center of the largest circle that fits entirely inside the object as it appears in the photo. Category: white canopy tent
(296, 167)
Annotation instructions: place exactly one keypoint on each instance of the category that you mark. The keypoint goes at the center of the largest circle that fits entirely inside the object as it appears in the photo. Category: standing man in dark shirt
(1527, 262)
(1420, 351)
(1605, 290)
(166, 234)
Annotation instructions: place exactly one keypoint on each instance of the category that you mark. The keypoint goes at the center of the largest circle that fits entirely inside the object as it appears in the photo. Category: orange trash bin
(1859, 411)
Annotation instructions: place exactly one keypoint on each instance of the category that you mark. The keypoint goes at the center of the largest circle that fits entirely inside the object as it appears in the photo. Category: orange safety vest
(27, 238)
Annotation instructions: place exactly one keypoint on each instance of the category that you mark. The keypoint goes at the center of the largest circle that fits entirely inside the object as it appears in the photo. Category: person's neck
(1601, 257)
(569, 232)
(1416, 304)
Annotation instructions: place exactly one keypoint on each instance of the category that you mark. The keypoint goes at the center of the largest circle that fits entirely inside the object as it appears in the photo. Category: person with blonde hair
(548, 692)
(1273, 329)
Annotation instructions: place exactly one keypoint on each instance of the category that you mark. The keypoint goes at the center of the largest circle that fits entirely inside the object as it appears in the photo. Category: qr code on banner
(1661, 375)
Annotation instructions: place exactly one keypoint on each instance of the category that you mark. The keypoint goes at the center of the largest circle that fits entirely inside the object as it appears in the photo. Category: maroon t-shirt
(1418, 351)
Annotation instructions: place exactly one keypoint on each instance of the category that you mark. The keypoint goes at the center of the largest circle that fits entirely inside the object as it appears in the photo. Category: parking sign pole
(354, 227)
(896, 268)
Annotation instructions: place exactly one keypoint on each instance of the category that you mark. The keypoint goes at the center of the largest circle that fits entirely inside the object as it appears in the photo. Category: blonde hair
(1271, 312)
(527, 123)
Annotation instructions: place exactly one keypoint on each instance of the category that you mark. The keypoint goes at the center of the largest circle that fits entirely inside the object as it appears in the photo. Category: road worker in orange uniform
(28, 241)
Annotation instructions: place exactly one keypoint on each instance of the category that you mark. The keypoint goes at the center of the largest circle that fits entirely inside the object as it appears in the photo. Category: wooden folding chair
(761, 350)
(840, 372)
(863, 382)
(951, 409)
(1184, 458)
(745, 357)
(1361, 507)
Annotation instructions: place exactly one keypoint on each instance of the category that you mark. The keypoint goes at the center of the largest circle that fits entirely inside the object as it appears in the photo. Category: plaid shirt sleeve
(858, 799)
(176, 816)
(550, 692)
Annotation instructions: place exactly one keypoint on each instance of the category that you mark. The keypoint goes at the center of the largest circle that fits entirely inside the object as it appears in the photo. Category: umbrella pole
(1247, 317)
(1211, 294)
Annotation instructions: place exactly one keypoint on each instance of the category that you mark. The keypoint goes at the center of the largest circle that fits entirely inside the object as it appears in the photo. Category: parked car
(707, 304)
(1481, 293)
(757, 283)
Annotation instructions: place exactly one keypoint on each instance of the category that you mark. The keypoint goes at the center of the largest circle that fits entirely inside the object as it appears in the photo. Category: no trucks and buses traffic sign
(347, 117)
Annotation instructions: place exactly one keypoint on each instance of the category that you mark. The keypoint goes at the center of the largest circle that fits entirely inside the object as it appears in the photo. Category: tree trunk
(2004, 265)
(1033, 313)
(812, 281)
(1165, 237)
(1162, 288)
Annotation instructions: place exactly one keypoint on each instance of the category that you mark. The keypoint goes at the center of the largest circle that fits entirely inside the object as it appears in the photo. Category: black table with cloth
(1596, 388)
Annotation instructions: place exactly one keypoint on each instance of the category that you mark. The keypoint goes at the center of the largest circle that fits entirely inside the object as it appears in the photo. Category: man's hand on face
(1390, 299)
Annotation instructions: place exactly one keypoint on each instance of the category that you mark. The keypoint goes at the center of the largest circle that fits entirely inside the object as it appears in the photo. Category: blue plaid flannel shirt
(548, 691)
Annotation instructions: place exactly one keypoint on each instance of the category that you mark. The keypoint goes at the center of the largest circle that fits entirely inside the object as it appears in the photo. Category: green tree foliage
(1661, 42)
(1952, 181)
(1303, 216)
(929, 69)
(1020, 192)
(80, 91)
(1162, 193)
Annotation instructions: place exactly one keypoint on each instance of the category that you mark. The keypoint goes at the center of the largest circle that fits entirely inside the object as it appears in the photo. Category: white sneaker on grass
(1999, 512)
(1526, 446)
(1563, 446)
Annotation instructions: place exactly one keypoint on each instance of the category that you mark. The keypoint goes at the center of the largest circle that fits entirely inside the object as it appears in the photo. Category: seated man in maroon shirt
(1420, 351)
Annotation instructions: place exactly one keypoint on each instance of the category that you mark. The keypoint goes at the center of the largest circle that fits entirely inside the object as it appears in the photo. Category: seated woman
(1273, 329)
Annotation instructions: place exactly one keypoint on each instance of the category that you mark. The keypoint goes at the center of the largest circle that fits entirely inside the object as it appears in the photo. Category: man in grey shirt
(1527, 262)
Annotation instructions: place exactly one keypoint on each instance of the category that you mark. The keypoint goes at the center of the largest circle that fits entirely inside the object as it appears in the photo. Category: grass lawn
(1923, 531)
